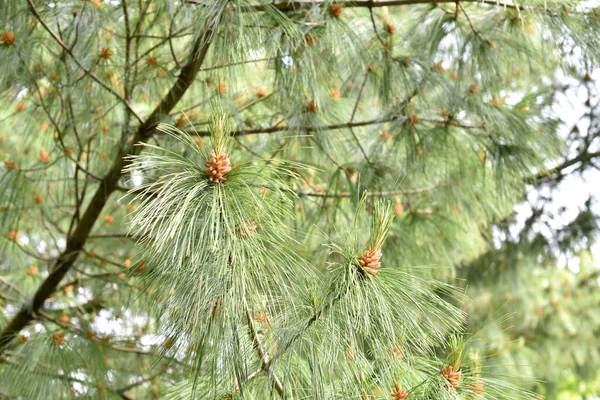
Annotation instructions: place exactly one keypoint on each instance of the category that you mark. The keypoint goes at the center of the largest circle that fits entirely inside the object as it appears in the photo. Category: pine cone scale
(217, 166)
(369, 261)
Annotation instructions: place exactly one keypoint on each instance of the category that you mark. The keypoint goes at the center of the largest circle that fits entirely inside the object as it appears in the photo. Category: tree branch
(307, 4)
(264, 357)
(583, 157)
(343, 195)
(79, 64)
(343, 125)
(76, 240)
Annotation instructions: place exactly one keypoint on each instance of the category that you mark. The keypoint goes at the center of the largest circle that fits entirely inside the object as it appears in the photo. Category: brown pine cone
(264, 318)
(247, 229)
(13, 235)
(413, 120)
(310, 41)
(58, 339)
(335, 94)
(311, 106)
(10, 164)
(396, 352)
(335, 10)
(261, 92)
(369, 261)
(217, 307)
(105, 53)
(452, 377)
(32, 270)
(7, 38)
(151, 61)
(390, 28)
(217, 167)
(399, 393)
(44, 157)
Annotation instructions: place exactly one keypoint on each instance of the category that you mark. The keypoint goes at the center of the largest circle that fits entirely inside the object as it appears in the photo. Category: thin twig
(360, 92)
(264, 357)
(344, 195)
(307, 4)
(79, 64)
(343, 125)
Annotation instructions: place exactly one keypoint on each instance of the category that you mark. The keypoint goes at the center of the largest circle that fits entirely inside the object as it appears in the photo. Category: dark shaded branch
(475, 31)
(581, 158)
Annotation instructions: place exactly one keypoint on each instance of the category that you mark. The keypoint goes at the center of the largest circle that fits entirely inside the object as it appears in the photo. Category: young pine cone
(7, 38)
(477, 387)
(369, 261)
(248, 228)
(399, 393)
(58, 339)
(452, 377)
(217, 167)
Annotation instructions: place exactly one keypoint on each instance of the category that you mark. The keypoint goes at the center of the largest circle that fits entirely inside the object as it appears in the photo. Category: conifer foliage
(252, 199)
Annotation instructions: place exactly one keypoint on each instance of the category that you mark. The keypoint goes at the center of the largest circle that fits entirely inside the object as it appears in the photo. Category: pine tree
(249, 199)
(544, 272)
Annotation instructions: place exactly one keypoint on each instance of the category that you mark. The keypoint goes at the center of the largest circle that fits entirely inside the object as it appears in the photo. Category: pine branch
(358, 97)
(318, 313)
(49, 371)
(121, 391)
(591, 278)
(583, 158)
(32, 254)
(67, 49)
(265, 362)
(370, 194)
(157, 45)
(344, 125)
(113, 235)
(77, 239)
(87, 277)
(184, 81)
(475, 31)
(126, 85)
(307, 4)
